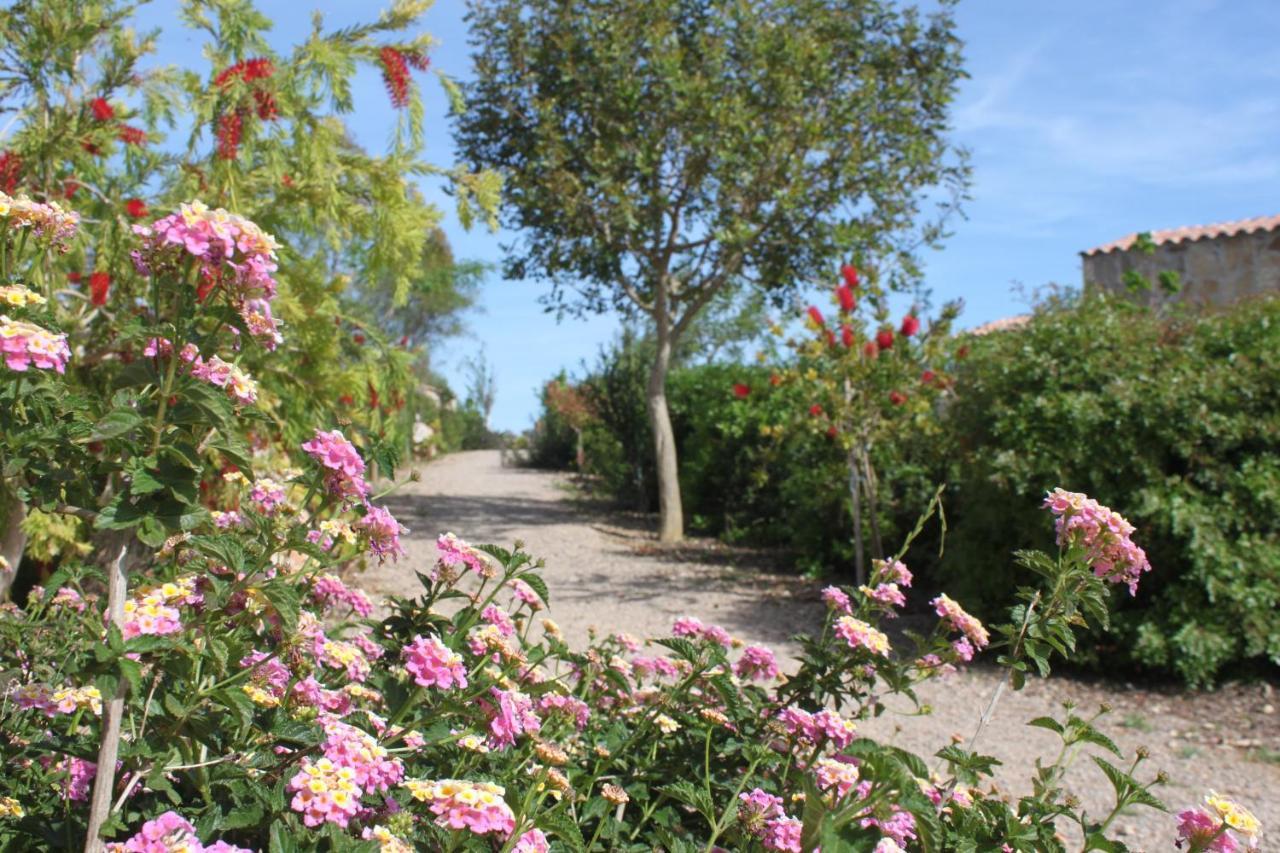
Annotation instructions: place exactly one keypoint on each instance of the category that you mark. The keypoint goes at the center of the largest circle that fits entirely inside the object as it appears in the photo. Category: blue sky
(1086, 121)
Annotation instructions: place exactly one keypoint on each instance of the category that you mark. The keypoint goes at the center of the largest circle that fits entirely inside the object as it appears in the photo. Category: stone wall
(1214, 270)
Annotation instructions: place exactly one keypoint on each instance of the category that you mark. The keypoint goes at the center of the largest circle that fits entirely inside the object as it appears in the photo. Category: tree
(659, 152)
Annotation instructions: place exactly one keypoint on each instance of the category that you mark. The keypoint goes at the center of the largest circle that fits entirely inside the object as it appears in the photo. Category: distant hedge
(1173, 421)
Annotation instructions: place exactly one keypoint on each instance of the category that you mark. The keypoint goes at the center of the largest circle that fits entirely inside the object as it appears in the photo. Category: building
(1215, 264)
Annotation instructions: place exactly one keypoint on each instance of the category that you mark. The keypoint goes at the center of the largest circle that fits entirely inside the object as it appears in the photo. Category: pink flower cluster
(811, 728)
(239, 386)
(837, 776)
(373, 769)
(170, 833)
(837, 599)
(269, 679)
(455, 553)
(382, 532)
(756, 808)
(533, 841)
(900, 826)
(510, 716)
(324, 793)
(661, 666)
(155, 610)
(232, 251)
(526, 595)
(25, 344)
(268, 495)
(1203, 832)
(890, 571)
(783, 833)
(432, 664)
(887, 594)
(955, 615)
(329, 591)
(692, 627)
(570, 706)
(458, 804)
(860, 635)
(345, 477)
(1102, 533)
(45, 219)
(79, 775)
(756, 664)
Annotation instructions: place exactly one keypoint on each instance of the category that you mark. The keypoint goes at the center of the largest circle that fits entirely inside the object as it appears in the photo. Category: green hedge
(1173, 422)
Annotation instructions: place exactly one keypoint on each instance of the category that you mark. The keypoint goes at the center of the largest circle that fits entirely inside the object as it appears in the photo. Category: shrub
(1176, 418)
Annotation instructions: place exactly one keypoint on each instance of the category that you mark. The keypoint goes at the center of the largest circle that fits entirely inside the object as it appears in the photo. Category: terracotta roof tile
(1001, 325)
(1188, 233)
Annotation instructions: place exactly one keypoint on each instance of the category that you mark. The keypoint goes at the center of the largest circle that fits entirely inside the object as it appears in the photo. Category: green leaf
(538, 584)
(116, 423)
(563, 827)
(1047, 723)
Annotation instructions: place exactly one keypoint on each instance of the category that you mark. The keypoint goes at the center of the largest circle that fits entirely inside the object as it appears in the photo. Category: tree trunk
(12, 540)
(670, 509)
(872, 485)
(855, 499)
(580, 457)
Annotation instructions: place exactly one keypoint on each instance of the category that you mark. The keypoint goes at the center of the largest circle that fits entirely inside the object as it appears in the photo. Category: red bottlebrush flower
(850, 275)
(136, 208)
(404, 340)
(99, 288)
(102, 109)
(741, 391)
(830, 336)
(230, 126)
(846, 336)
(884, 339)
(963, 352)
(286, 181)
(266, 106)
(897, 398)
(10, 172)
(74, 277)
(226, 75)
(847, 301)
(815, 410)
(358, 338)
(418, 61)
(346, 400)
(927, 377)
(870, 350)
(395, 74)
(70, 188)
(130, 135)
(90, 147)
(910, 325)
(816, 316)
(258, 69)
(373, 397)
(775, 379)
(832, 432)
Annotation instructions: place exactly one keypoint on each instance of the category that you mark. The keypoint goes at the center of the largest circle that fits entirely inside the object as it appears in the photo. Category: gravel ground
(606, 572)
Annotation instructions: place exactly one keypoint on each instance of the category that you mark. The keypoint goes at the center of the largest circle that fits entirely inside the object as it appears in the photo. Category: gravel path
(607, 573)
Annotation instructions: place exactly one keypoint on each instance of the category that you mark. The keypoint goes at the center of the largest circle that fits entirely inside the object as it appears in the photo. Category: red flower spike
(910, 325)
(846, 336)
(927, 377)
(404, 340)
(134, 136)
(963, 352)
(816, 316)
(136, 208)
(102, 109)
(850, 275)
(74, 277)
(373, 397)
(266, 106)
(10, 172)
(230, 126)
(99, 288)
(832, 432)
(358, 338)
(395, 74)
(897, 398)
(775, 379)
(884, 339)
(69, 189)
(346, 400)
(815, 410)
(741, 391)
(418, 61)
(870, 350)
(846, 297)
